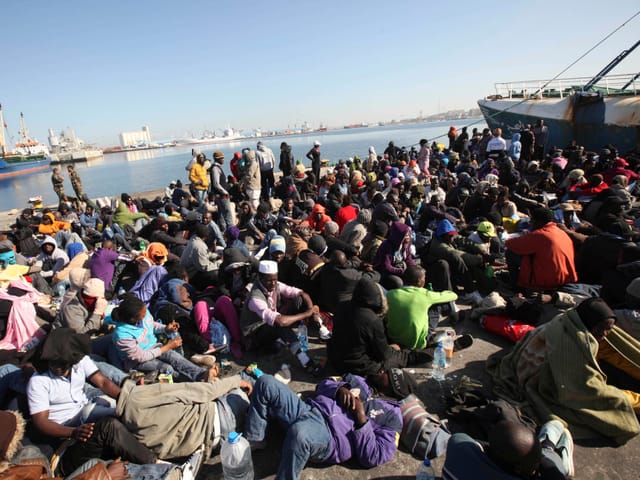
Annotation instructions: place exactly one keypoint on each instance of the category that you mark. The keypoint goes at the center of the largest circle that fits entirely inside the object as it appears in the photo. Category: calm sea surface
(146, 170)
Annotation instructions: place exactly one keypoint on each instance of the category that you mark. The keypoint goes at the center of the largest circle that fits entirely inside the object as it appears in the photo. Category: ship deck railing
(563, 87)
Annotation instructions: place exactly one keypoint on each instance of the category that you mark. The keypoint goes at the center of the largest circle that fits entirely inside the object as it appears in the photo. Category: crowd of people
(105, 301)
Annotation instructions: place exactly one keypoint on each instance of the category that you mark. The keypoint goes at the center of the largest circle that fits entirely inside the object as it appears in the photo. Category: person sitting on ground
(355, 231)
(84, 312)
(103, 263)
(201, 264)
(558, 370)
(544, 258)
(337, 424)
(359, 343)
(50, 226)
(512, 453)
(464, 258)
(60, 409)
(127, 214)
(376, 234)
(262, 222)
(409, 323)
(394, 256)
(330, 233)
(138, 347)
(272, 310)
(51, 259)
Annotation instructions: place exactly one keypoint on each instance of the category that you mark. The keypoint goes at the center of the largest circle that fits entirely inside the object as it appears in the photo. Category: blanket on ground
(553, 371)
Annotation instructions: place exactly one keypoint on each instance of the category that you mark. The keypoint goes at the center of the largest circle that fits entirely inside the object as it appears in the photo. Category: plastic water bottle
(303, 337)
(447, 344)
(425, 472)
(60, 289)
(439, 363)
(235, 455)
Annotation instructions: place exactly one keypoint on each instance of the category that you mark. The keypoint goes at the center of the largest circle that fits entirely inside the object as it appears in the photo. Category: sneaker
(284, 374)
(325, 333)
(191, 467)
(473, 298)
(554, 434)
(204, 360)
(565, 445)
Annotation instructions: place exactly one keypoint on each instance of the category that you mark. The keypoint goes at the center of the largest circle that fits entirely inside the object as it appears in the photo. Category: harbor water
(144, 170)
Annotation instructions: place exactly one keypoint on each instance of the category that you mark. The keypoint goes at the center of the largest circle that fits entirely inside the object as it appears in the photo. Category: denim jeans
(307, 438)
(174, 363)
(225, 219)
(11, 381)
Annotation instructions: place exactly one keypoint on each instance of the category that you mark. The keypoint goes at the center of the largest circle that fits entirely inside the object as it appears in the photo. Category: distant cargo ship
(28, 155)
(228, 135)
(357, 125)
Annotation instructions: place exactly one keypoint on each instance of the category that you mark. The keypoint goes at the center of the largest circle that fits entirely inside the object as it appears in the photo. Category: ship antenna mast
(3, 142)
(24, 133)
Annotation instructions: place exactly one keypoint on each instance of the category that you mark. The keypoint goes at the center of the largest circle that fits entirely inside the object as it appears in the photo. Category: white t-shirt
(496, 143)
(63, 397)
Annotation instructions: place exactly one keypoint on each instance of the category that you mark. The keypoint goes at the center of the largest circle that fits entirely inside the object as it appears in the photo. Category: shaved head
(514, 447)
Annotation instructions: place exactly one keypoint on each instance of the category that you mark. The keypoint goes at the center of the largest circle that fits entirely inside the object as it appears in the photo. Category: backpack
(423, 434)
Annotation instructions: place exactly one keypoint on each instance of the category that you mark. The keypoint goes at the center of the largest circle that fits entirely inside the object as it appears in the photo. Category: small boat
(595, 112)
(28, 156)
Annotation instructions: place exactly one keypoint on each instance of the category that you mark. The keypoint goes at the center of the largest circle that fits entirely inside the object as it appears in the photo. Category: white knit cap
(268, 266)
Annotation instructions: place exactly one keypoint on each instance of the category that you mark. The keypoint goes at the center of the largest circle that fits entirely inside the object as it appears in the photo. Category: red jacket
(547, 258)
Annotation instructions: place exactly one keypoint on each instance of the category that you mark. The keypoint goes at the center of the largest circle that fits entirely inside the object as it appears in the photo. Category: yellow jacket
(198, 176)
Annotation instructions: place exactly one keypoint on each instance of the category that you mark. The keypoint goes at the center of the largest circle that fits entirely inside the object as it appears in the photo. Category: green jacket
(123, 216)
(554, 371)
(408, 319)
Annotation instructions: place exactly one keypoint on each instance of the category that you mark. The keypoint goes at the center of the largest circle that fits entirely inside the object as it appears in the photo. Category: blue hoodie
(515, 148)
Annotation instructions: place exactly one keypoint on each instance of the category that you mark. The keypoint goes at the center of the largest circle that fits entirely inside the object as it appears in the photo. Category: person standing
(541, 132)
(220, 187)
(314, 156)
(76, 183)
(267, 162)
(199, 178)
(286, 159)
(527, 139)
(496, 144)
(57, 179)
(251, 179)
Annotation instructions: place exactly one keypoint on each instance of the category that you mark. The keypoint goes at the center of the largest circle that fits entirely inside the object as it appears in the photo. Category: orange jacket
(547, 258)
(54, 227)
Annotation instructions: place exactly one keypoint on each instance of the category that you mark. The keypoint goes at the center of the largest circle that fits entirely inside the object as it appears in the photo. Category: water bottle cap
(234, 437)
(427, 463)
(440, 345)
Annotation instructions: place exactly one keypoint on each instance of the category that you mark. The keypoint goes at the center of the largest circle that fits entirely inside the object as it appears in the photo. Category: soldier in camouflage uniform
(58, 183)
(76, 183)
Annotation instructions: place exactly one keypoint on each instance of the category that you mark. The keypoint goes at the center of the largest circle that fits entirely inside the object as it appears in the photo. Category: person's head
(200, 158)
(108, 245)
(48, 246)
(27, 212)
(540, 217)
(202, 231)
(93, 290)
(289, 204)
(268, 274)
(415, 276)
(277, 248)
(597, 316)
(263, 209)
(331, 229)
(515, 448)
(486, 230)
(218, 157)
(88, 210)
(338, 258)
(130, 310)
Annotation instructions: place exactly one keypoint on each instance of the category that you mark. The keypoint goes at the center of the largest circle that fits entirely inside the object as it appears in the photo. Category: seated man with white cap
(272, 310)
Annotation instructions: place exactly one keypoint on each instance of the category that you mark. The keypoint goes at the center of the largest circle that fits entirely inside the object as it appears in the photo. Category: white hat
(268, 266)
(316, 143)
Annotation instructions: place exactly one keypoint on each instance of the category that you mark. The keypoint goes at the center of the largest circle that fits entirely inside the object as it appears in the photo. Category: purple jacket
(383, 262)
(102, 265)
(374, 443)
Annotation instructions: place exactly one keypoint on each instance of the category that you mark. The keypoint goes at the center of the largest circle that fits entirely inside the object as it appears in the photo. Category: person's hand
(83, 432)
(361, 416)
(395, 346)
(172, 327)
(118, 470)
(246, 386)
(100, 306)
(175, 343)
(345, 398)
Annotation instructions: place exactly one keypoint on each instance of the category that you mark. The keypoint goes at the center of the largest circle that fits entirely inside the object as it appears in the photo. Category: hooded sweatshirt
(359, 342)
(55, 262)
(54, 227)
(314, 222)
(393, 252)
(515, 148)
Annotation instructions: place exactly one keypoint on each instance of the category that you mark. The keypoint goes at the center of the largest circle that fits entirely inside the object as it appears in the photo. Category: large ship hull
(14, 165)
(592, 121)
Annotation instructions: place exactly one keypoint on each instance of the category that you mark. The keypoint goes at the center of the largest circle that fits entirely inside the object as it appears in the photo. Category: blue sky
(110, 66)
